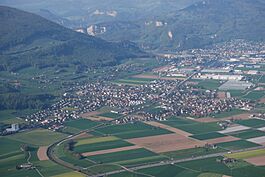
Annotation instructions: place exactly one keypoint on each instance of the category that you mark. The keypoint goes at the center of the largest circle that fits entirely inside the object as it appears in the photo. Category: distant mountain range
(30, 40)
(201, 24)
(157, 24)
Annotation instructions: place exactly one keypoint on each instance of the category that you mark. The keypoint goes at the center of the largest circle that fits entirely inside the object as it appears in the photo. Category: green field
(121, 156)
(255, 123)
(81, 124)
(132, 130)
(238, 169)
(134, 81)
(209, 84)
(236, 145)
(254, 95)
(193, 152)
(206, 136)
(87, 141)
(228, 113)
(9, 146)
(101, 146)
(38, 137)
(195, 128)
(110, 115)
(70, 174)
(248, 134)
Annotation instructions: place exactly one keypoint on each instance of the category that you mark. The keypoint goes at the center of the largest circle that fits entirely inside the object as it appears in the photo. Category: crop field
(206, 136)
(87, 141)
(101, 146)
(231, 113)
(255, 123)
(135, 130)
(82, 124)
(70, 174)
(110, 115)
(209, 84)
(39, 137)
(8, 145)
(255, 95)
(121, 156)
(192, 152)
(247, 154)
(198, 128)
(134, 81)
(248, 134)
(235, 145)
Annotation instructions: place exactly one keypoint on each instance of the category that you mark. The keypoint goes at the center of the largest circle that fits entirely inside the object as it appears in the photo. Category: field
(229, 113)
(235, 145)
(81, 124)
(134, 81)
(110, 115)
(121, 156)
(254, 95)
(134, 130)
(255, 123)
(101, 146)
(197, 128)
(192, 152)
(87, 141)
(8, 146)
(209, 84)
(70, 174)
(39, 137)
(247, 154)
(206, 136)
(248, 134)
(165, 143)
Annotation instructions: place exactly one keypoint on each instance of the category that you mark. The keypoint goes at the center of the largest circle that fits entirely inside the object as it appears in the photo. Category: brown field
(262, 100)
(83, 135)
(89, 114)
(162, 68)
(172, 129)
(42, 155)
(258, 161)
(221, 95)
(222, 140)
(99, 118)
(86, 154)
(145, 76)
(243, 116)
(166, 143)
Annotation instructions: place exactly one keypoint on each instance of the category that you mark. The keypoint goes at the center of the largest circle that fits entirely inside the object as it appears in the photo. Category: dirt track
(42, 155)
(166, 143)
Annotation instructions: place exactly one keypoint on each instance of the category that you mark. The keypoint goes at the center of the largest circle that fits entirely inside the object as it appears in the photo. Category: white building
(14, 128)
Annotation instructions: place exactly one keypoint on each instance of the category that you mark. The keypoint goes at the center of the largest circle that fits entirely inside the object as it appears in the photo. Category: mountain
(212, 21)
(201, 24)
(88, 12)
(30, 40)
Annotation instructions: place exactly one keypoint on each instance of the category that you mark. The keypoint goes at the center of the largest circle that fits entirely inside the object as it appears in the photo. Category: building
(220, 77)
(14, 128)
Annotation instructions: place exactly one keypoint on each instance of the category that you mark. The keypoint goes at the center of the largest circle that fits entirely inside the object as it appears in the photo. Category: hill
(30, 40)
(201, 24)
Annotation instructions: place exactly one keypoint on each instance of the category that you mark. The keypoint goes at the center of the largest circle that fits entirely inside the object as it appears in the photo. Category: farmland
(34, 137)
(135, 130)
(255, 123)
(81, 124)
(235, 145)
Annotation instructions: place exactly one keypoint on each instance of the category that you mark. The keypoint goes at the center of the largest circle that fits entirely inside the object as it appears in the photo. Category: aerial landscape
(132, 88)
